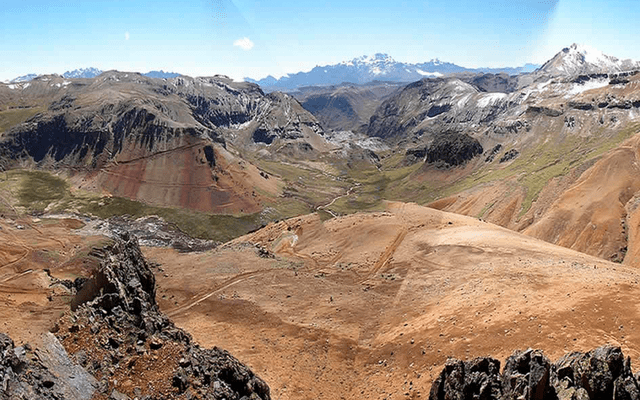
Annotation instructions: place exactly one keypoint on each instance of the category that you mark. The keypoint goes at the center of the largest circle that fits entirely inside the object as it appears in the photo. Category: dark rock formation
(492, 154)
(21, 378)
(527, 375)
(475, 379)
(509, 155)
(45, 373)
(603, 373)
(549, 112)
(118, 335)
(453, 149)
(436, 110)
(262, 135)
(120, 326)
(492, 83)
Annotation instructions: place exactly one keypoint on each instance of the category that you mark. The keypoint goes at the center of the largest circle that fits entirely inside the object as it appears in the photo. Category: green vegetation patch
(15, 116)
(35, 191)
(201, 225)
(38, 189)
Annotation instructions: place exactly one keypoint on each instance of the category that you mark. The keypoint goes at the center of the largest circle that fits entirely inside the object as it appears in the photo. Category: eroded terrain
(372, 305)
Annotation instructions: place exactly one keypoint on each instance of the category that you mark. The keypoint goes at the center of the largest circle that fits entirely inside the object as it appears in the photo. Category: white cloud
(245, 43)
(126, 36)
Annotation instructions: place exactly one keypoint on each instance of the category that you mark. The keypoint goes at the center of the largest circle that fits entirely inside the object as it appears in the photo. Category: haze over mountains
(359, 70)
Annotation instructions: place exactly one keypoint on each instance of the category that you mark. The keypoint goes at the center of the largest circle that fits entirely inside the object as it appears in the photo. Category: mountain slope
(581, 60)
(341, 295)
(345, 107)
(510, 156)
(168, 143)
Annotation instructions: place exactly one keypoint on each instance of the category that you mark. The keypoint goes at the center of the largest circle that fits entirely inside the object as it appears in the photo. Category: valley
(342, 241)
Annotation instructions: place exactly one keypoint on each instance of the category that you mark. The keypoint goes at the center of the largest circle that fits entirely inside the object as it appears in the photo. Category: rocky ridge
(603, 373)
(121, 346)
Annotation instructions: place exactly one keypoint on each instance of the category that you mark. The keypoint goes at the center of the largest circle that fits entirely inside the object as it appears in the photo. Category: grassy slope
(14, 116)
(554, 156)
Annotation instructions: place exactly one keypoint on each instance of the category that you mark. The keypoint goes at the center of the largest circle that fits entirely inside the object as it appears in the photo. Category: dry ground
(30, 299)
(363, 306)
(371, 305)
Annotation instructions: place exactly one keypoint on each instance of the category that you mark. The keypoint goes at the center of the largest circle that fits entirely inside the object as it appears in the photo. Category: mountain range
(91, 72)
(380, 67)
(371, 232)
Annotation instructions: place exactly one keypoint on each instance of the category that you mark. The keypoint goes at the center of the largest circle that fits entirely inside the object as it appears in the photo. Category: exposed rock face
(527, 374)
(473, 379)
(603, 373)
(453, 149)
(20, 378)
(46, 373)
(120, 330)
(509, 155)
(118, 335)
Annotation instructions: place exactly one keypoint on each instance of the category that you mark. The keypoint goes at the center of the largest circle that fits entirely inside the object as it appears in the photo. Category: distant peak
(581, 59)
(83, 73)
(368, 59)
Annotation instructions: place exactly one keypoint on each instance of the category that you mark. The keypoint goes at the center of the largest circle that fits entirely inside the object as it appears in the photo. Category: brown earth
(371, 305)
(182, 177)
(31, 299)
(591, 215)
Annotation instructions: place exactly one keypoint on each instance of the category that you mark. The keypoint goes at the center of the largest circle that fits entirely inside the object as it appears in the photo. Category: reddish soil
(182, 177)
(372, 305)
(30, 300)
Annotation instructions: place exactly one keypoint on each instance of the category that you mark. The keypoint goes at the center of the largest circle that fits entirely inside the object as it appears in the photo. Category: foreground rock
(117, 344)
(603, 373)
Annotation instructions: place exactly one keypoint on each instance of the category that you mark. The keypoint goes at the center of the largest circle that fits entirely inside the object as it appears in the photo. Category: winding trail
(230, 282)
(349, 193)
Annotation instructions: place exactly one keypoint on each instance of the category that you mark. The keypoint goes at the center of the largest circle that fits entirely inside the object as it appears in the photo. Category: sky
(256, 38)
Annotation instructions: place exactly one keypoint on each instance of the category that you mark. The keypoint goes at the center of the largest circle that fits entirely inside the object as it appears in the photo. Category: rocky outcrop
(21, 378)
(119, 328)
(117, 334)
(509, 155)
(453, 149)
(603, 373)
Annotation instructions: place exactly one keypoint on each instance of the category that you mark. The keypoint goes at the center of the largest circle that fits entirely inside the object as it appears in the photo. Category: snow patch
(462, 101)
(591, 55)
(241, 126)
(424, 73)
(490, 99)
(592, 84)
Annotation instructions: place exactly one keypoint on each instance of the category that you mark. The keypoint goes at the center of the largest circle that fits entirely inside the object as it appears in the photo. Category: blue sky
(276, 37)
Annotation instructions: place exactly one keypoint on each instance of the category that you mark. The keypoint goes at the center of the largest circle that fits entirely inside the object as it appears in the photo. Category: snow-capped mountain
(580, 59)
(24, 78)
(83, 73)
(381, 67)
